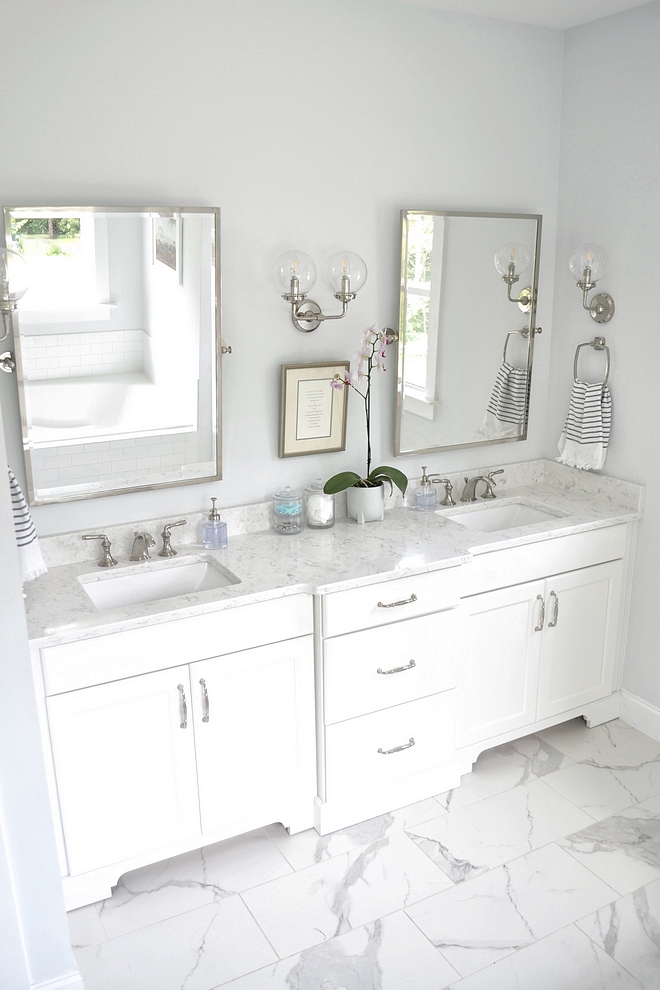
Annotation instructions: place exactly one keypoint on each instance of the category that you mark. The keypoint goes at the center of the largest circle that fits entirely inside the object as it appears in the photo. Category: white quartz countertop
(270, 565)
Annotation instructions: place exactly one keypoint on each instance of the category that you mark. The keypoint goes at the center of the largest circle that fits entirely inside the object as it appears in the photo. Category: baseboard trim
(72, 981)
(640, 714)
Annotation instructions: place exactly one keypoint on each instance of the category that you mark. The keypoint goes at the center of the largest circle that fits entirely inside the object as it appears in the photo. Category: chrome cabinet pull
(184, 708)
(405, 601)
(555, 614)
(205, 700)
(398, 749)
(397, 670)
(538, 628)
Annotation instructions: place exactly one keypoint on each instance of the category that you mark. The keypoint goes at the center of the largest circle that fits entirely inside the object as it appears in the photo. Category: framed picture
(312, 412)
(167, 242)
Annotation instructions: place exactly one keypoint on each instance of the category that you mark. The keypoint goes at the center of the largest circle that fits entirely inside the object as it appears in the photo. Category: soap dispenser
(426, 493)
(214, 530)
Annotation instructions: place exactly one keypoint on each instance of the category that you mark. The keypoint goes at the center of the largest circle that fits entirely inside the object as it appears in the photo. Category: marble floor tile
(512, 906)
(581, 743)
(566, 960)
(307, 848)
(193, 951)
(504, 767)
(85, 926)
(484, 835)
(388, 954)
(598, 790)
(623, 850)
(342, 893)
(628, 930)
(153, 893)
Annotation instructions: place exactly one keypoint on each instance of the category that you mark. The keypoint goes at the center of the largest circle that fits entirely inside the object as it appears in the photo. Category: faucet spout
(141, 545)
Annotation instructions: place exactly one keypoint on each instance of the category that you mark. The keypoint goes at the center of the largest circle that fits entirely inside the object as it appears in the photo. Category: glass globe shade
(346, 263)
(13, 274)
(512, 252)
(591, 256)
(295, 263)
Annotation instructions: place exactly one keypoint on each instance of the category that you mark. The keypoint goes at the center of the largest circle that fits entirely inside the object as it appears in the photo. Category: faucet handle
(491, 475)
(447, 500)
(167, 550)
(107, 560)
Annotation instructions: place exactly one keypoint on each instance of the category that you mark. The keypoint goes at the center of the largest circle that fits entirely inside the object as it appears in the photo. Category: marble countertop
(269, 565)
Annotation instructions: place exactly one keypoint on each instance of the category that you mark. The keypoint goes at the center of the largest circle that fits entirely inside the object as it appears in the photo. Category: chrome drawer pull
(406, 601)
(397, 670)
(538, 628)
(555, 614)
(184, 708)
(398, 749)
(205, 700)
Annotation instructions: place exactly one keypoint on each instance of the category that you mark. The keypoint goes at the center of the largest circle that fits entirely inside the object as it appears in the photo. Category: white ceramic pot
(366, 504)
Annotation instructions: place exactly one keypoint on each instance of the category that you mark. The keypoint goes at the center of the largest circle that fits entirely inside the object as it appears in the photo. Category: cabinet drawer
(354, 763)
(420, 655)
(155, 647)
(389, 601)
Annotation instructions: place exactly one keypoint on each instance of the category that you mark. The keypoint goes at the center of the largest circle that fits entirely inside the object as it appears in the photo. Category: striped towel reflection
(505, 413)
(586, 434)
(29, 551)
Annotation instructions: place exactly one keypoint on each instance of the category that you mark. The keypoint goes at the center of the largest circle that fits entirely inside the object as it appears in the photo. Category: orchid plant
(369, 359)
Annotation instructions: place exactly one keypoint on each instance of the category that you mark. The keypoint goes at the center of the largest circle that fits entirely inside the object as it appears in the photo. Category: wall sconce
(296, 272)
(512, 261)
(586, 265)
(13, 285)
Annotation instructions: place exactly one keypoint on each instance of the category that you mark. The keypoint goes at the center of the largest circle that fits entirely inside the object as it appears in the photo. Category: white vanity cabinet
(540, 649)
(151, 765)
(386, 696)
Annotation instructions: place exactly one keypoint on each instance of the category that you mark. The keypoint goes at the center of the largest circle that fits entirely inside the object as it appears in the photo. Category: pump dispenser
(214, 530)
(426, 494)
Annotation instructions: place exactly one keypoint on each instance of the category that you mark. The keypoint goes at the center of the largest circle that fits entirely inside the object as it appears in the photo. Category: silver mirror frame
(217, 359)
(401, 326)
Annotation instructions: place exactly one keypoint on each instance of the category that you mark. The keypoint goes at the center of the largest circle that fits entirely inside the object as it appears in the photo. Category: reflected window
(423, 281)
(61, 254)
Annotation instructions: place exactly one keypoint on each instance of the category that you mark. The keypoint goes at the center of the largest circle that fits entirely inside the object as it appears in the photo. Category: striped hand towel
(586, 434)
(505, 413)
(29, 551)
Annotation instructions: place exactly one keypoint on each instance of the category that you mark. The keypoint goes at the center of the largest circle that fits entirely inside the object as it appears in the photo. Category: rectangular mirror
(117, 348)
(466, 328)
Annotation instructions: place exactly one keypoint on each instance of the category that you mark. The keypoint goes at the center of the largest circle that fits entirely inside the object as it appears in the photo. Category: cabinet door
(579, 644)
(498, 674)
(256, 749)
(125, 768)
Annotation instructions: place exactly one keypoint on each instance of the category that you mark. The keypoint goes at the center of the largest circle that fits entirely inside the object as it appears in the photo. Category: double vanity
(331, 676)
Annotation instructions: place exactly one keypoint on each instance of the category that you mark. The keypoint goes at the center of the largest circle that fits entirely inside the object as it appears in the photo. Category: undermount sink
(153, 582)
(493, 517)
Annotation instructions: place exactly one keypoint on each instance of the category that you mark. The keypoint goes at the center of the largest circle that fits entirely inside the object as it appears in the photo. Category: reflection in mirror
(117, 348)
(465, 352)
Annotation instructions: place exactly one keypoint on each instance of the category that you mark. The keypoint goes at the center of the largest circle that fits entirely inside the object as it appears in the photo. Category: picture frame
(167, 243)
(312, 412)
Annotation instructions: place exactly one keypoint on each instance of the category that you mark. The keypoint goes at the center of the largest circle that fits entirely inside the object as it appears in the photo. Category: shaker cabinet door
(579, 645)
(254, 732)
(125, 763)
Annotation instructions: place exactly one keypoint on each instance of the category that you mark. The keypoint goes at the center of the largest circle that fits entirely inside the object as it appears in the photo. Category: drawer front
(532, 561)
(155, 647)
(389, 601)
(354, 763)
(379, 668)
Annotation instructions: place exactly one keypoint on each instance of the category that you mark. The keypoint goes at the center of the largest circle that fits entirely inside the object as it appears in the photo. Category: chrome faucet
(141, 545)
(470, 490)
(107, 560)
(168, 550)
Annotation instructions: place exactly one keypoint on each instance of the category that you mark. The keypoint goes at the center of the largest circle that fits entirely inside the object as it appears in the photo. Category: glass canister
(288, 515)
(319, 507)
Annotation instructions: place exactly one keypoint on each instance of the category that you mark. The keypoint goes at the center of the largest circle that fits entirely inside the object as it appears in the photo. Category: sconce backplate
(601, 308)
(525, 300)
(305, 307)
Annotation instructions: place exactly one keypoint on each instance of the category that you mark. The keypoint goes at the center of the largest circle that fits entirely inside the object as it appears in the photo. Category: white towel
(586, 434)
(505, 413)
(29, 551)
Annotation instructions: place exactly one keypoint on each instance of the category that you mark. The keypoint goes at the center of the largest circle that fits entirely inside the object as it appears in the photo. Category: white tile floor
(541, 872)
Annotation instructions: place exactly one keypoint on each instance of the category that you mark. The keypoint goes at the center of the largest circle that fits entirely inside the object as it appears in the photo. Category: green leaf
(340, 482)
(392, 474)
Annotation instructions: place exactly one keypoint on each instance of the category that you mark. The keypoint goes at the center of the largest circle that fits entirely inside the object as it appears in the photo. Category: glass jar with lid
(319, 507)
(288, 515)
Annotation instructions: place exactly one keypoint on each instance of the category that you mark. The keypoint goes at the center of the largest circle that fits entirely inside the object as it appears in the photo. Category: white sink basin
(493, 517)
(152, 582)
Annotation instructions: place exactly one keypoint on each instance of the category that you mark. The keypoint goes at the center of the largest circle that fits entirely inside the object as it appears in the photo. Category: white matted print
(312, 412)
(167, 242)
